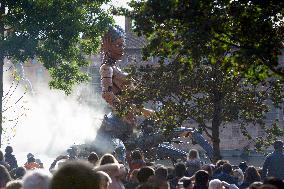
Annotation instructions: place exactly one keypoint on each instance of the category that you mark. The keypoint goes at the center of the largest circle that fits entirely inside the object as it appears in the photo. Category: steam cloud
(53, 121)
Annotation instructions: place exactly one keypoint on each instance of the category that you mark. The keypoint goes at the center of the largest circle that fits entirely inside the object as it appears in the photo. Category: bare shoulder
(106, 69)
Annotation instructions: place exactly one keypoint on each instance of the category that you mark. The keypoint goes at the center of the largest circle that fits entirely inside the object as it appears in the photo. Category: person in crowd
(20, 173)
(209, 169)
(132, 180)
(274, 181)
(201, 180)
(180, 170)
(144, 174)
(186, 183)
(4, 176)
(105, 180)
(37, 179)
(243, 166)
(93, 158)
(75, 175)
(147, 186)
(10, 158)
(218, 167)
(193, 163)
(273, 165)
(14, 184)
(2, 162)
(136, 160)
(251, 175)
(31, 164)
(161, 172)
(226, 174)
(267, 186)
(117, 172)
(239, 175)
(38, 161)
(216, 184)
(255, 185)
(157, 182)
(59, 160)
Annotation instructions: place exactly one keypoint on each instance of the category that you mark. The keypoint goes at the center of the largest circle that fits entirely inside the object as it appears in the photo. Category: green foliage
(222, 56)
(251, 32)
(57, 32)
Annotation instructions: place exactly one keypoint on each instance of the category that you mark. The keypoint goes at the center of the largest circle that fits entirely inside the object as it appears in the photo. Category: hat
(30, 155)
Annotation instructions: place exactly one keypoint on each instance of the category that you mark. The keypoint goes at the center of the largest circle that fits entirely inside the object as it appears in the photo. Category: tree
(211, 46)
(59, 33)
(207, 97)
(251, 31)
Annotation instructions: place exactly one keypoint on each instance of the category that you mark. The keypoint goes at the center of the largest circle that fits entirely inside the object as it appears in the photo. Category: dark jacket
(274, 165)
(11, 160)
(227, 178)
(200, 187)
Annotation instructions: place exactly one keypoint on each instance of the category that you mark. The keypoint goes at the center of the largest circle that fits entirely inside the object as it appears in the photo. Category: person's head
(208, 168)
(9, 150)
(193, 154)
(14, 184)
(157, 182)
(278, 145)
(238, 173)
(75, 175)
(185, 183)
(201, 178)
(31, 159)
(251, 175)
(113, 42)
(5, 177)
(255, 185)
(29, 155)
(267, 186)
(133, 176)
(243, 166)
(278, 183)
(144, 173)
(219, 163)
(215, 184)
(107, 158)
(136, 155)
(180, 169)
(161, 172)
(93, 158)
(227, 168)
(104, 180)
(38, 161)
(20, 172)
(36, 179)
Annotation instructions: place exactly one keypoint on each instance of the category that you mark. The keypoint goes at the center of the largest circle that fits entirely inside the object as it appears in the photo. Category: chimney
(128, 24)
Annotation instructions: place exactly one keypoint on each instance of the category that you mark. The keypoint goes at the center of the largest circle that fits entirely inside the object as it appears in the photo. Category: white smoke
(53, 121)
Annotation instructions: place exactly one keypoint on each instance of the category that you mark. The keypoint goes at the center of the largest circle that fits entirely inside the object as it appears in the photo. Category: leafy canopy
(57, 32)
(251, 31)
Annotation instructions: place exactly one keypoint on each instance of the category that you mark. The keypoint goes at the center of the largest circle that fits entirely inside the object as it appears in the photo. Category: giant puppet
(115, 130)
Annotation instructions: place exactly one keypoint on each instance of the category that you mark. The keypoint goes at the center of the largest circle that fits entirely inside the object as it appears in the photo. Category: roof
(133, 41)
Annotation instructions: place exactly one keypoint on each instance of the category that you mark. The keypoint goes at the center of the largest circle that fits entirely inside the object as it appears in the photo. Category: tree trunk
(1, 96)
(216, 122)
(2, 56)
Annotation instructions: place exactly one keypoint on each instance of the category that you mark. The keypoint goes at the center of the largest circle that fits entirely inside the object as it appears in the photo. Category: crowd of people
(106, 172)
